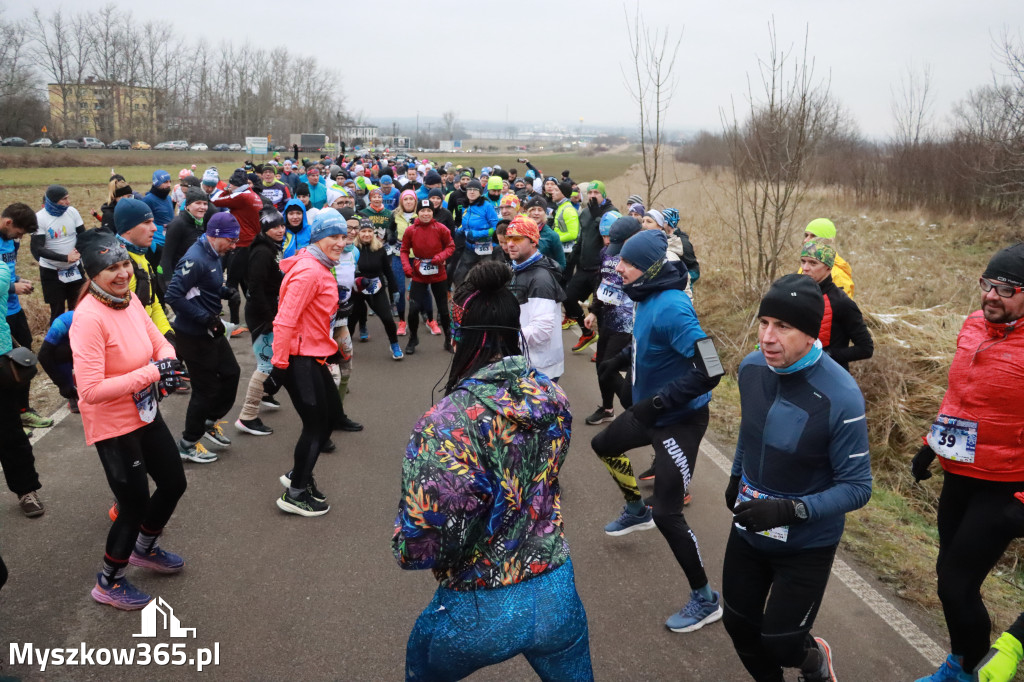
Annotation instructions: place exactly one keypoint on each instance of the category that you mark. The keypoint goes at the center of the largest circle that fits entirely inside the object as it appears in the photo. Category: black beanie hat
(1007, 266)
(99, 250)
(796, 300)
(270, 218)
(565, 188)
(535, 200)
(238, 178)
(302, 190)
(195, 194)
(55, 193)
(475, 184)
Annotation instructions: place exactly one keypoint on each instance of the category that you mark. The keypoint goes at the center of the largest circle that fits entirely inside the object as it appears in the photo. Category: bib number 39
(954, 438)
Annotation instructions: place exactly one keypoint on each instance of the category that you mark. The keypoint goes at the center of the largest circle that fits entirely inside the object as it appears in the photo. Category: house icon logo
(159, 612)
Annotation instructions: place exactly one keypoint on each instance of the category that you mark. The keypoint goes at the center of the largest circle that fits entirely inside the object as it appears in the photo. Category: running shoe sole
(156, 567)
(104, 598)
(245, 429)
(293, 509)
(828, 657)
(287, 483)
(711, 618)
(272, 406)
(602, 420)
(583, 345)
(214, 440)
(646, 525)
(199, 459)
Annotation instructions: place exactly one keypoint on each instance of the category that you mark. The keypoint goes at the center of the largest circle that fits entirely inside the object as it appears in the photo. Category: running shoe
(585, 340)
(435, 328)
(687, 498)
(410, 348)
(951, 670)
(448, 346)
(27, 430)
(121, 595)
(370, 312)
(113, 512)
(593, 358)
(394, 311)
(402, 328)
(270, 401)
(396, 352)
(826, 673)
(567, 322)
(627, 523)
(196, 453)
(34, 420)
(364, 335)
(215, 434)
(697, 613)
(238, 331)
(346, 424)
(303, 505)
(286, 481)
(329, 447)
(255, 427)
(158, 560)
(647, 475)
(600, 416)
(31, 505)
(73, 406)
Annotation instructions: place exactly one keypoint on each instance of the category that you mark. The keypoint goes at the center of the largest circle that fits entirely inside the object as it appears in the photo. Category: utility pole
(417, 140)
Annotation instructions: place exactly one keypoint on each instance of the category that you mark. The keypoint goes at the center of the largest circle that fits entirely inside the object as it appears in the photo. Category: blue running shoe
(158, 560)
(951, 670)
(396, 351)
(627, 523)
(697, 613)
(364, 336)
(121, 595)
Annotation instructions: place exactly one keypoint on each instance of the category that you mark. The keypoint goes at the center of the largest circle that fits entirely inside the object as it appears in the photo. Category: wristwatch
(800, 509)
(657, 403)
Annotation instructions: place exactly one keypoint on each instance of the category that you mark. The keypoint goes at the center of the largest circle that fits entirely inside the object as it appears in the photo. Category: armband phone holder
(706, 356)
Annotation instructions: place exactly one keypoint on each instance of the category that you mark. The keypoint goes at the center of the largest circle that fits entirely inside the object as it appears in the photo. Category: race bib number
(953, 438)
(612, 295)
(483, 249)
(392, 249)
(428, 268)
(747, 494)
(145, 403)
(68, 275)
(567, 246)
(371, 285)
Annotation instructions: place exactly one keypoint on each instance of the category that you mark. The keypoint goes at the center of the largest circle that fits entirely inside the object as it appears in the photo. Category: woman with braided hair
(480, 504)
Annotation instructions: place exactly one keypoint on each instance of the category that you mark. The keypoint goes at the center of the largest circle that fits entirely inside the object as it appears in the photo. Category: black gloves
(919, 465)
(275, 380)
(215, 327)
(230, 294)
(68, 393)
(171, 371)
(646, 412)
(616, 363)
(345, 309)
(759, 515)
(732, 491)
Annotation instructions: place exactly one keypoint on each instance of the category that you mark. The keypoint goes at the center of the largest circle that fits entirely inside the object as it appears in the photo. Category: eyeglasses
(1003, 290)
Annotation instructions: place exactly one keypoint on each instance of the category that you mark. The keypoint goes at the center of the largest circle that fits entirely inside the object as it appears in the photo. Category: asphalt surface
(283, 596)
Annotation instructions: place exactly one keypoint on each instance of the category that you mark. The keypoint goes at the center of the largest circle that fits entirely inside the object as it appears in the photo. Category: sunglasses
(1003, 290)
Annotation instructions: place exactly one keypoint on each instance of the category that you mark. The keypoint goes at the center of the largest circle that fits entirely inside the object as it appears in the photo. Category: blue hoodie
(293, 241)
(478, 222)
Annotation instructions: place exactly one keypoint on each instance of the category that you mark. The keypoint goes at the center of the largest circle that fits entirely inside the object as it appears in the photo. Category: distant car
(279, 148)
(199, 147)
(179, 145)
(120, 144)
(42, 142)
(92, 143)
(68, 144)
(14, 142)
(234, 147)
(139, 144)
(221, 147)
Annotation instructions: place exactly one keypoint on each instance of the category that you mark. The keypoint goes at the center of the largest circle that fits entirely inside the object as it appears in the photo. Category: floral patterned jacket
(480, 495)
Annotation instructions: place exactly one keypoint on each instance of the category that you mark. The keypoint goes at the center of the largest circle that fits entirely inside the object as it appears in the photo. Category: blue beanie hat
(644, 249)
(621, 230)
(432, 178)
(130, 212)
(160, 177)
(327, 223)
(223, 224)
(386, 180)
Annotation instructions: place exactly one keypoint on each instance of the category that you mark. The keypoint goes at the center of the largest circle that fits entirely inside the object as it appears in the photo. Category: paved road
(285, 596)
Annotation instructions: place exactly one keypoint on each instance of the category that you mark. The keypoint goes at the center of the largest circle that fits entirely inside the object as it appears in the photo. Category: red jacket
(308, 301)
(985, 382)
(245, 206)
(432, 242)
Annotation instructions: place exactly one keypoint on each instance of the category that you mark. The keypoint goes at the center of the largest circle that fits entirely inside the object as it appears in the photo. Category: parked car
(234, 147)
(42, 142)
(14, 142)
(220, 147)
(173, 145)
(279, 148)
(120, 144)
(68, 144)
(92, 143)
(199, 147)
(139, 144)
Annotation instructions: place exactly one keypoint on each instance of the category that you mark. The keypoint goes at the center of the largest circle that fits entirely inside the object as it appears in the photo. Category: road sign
(256, 145)
(44, 129)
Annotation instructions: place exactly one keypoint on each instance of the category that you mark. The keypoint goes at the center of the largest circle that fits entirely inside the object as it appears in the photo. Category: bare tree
(449, 119)
(770, 153)
(911, 107)
(651, 81)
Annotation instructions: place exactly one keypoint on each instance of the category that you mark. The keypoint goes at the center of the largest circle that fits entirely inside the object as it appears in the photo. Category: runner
(122, 365)
(669, 411)
(302, 347)
(135, 227)
(375, 282)
(425, 247)
(842, 273)
(583, 272)
(801, 464)
(479, 219)
(245, 205)
(345, 276)
(53, 245)
(297, 223)
(55, 358)
(159, 201)
(842, 324)
(401, 218)
(506, 583)
(977, 436)
(183, 231)
(118, 188)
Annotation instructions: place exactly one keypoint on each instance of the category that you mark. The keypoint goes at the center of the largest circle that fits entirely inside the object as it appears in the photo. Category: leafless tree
(449, 119)
(912, 107)
(651, 80)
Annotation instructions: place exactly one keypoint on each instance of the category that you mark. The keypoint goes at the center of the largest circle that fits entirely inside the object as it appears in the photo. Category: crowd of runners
(498, 264)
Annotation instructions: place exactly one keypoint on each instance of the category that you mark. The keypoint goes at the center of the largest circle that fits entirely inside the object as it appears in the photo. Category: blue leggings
(396, 268)
(542, 618)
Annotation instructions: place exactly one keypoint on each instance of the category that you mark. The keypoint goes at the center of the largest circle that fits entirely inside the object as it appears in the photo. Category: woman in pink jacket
(123, 365)
(303, 346)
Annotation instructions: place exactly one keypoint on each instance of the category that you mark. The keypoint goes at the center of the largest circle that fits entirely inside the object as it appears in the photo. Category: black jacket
(181, 233)
(846, 326)
(376, 264)
(587, 253)
(264, 280)
(540, 280)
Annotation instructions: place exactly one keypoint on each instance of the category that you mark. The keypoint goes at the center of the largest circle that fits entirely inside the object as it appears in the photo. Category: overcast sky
(553, 61)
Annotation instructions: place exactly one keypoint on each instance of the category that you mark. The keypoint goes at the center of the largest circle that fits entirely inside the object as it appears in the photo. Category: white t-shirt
(61, 235)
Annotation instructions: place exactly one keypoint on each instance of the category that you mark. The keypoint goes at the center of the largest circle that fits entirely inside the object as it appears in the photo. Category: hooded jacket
(478, 222)
(181, 233)
(307, 302)
(539, 294)
(163, 214)
(293, 241)
(587, 254)
(264, 280)
(432, 242)
(480, 515)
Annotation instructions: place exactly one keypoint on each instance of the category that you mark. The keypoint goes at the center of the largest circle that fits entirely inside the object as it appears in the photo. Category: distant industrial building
(358, 134)
(104, 109)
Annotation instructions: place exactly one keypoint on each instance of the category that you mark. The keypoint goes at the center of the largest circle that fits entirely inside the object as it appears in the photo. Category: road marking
(872, 598)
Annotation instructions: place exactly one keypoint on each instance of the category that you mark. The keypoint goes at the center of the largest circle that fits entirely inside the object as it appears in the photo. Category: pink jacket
(308, 300)
(112, 350)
